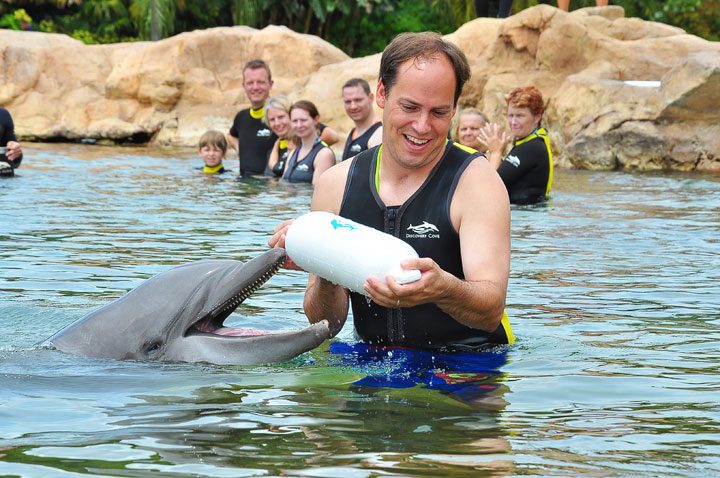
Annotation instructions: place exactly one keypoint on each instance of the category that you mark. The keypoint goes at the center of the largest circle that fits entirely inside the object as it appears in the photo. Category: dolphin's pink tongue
(208, 327)
(239, 332)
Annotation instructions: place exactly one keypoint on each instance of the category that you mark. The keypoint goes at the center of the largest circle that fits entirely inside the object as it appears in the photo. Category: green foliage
(359, 27)
(16, 20)
(84, 36)
(456, 11)
(154, 19)
(363, 33)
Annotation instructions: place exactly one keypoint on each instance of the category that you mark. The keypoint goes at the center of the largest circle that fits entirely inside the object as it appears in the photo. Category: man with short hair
(417, 177)
(358, 101)
(250, 137)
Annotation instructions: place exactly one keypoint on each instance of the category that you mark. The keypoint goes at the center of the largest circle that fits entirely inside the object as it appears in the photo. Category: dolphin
(178, 315)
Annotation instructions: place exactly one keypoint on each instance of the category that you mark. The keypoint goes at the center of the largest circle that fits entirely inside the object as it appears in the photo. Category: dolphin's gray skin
(178, 316)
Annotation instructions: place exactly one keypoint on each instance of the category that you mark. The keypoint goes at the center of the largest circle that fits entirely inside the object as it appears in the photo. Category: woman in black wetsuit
(527, 170)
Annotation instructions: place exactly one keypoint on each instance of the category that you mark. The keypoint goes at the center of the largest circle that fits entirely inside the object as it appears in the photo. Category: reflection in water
(614, 297)
(295, 416)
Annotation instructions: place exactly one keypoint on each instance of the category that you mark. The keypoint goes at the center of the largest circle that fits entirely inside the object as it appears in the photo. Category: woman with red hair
(527, 170)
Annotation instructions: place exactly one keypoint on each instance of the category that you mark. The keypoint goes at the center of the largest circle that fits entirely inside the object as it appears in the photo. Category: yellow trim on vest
(377, 169)
(505, 322)
(467, 149)
(212, 169)
(257, 114)
(542, 134)
(282, 144)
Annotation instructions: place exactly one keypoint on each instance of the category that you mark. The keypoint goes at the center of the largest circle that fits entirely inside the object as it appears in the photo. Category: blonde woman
(468, 123)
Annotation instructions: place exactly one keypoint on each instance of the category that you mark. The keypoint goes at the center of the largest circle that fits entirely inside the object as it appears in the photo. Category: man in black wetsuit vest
(446, 202)
(10, 150)
(358, 102)
(250, 137)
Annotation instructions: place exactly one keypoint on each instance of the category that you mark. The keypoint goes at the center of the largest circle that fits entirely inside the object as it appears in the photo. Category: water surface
(614, 296)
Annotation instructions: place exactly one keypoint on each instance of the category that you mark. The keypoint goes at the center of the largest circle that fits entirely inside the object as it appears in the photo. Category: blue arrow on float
(337, 224)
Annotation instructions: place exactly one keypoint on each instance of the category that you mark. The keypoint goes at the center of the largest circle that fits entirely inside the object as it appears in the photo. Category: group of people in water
(276, 137)
(440, 179)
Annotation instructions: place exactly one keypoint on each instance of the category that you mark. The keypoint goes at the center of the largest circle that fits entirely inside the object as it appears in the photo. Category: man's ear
(380, 94)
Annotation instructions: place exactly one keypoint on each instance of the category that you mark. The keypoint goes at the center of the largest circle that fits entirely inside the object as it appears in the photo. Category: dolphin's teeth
(234, 303)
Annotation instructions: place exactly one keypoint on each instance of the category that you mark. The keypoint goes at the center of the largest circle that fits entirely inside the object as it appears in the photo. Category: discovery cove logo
(423, 231)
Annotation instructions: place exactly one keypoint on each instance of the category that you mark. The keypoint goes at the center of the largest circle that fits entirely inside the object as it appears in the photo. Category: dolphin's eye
(153, 346)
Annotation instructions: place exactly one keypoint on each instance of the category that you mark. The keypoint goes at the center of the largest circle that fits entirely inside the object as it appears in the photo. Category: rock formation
(620, 92)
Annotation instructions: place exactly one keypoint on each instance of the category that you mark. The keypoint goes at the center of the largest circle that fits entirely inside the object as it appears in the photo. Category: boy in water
(212, 148)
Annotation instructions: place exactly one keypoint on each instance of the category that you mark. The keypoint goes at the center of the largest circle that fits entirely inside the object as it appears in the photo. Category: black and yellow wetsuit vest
(359, 144)
(527, 170)
(255, 139)
(302, 170)
(219, 169)
(423, 221)
(279, 168)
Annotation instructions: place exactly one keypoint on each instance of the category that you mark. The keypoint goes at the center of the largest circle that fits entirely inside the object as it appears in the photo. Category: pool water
(614, 297)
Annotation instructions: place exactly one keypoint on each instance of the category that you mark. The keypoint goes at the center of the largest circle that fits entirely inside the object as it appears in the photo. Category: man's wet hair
(418, 47)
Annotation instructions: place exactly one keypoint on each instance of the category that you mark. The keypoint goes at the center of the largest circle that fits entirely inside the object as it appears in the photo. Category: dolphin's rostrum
(178, 315)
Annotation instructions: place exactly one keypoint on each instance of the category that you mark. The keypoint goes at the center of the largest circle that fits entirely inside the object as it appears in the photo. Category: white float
(345, 252)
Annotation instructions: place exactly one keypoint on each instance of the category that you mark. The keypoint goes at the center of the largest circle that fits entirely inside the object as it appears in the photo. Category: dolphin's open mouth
(213, 323)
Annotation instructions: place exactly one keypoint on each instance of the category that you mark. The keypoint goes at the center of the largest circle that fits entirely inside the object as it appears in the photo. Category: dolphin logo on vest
(422, 231)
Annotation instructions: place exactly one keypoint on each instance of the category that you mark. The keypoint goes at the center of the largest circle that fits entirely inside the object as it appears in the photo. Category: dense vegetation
(358, 27)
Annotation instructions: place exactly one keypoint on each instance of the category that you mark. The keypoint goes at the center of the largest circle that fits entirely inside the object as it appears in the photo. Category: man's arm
(329, 135)
(232, 135)
(233, 142)
(480, 212)
(324, 160)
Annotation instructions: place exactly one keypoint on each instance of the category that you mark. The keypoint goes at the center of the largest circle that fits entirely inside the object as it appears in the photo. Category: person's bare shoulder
(480, 193)
(330, 188)
(481, 173)
(376, 137)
